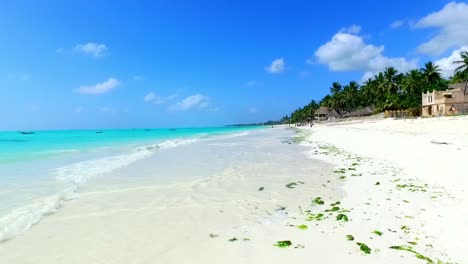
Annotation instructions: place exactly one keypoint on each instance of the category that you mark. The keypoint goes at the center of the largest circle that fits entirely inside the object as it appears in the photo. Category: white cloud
(94, 49)
(397, 24)
(196, 101)
(451, 21)
(277, 66)
(149, 97)
(156, 99)
(99, 88)
(252, 110)
(446, 64)
(349, 52)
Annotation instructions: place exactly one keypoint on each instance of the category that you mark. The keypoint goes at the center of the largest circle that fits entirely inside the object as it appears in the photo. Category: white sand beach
(229, 200)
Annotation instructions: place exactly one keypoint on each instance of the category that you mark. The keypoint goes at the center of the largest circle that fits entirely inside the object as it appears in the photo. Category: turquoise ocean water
(41, 170)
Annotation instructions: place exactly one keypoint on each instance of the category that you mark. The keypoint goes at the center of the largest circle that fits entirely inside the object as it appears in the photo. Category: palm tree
(431, 73)
(336, 88)
(463, 68)
(412, 83)
(388, 84)
(367, 92)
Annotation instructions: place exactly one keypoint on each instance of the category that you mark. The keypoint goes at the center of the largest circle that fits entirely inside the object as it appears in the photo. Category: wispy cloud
(397, 24)
(196, 101)
(277, 66)
(157, 100)
(353, 29)
(99, 88)
(96, 50)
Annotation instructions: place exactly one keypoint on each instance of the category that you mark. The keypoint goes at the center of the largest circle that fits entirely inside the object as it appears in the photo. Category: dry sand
(421, 167)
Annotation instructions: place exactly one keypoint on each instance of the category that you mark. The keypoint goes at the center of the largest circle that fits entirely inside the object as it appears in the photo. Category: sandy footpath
(409, 181)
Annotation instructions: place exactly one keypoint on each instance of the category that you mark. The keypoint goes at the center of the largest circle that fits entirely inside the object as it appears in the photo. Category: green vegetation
(349, 237)
(377, 232)
(364, 248)
(412, 188)
(342, 217)
(417, 254)
(291, 185)
(333, 209)
(387, 90)
(341, 170)
(283, 244)
(303, 227)
(318, 200)
(315, 217)
(261, 188)
(405, 229)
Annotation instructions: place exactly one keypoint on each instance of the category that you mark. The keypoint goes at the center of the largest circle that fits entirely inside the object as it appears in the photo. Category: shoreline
(312, 191)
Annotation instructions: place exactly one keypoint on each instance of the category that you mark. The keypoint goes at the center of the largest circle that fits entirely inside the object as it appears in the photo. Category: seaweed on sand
(417, 254)
(283, 244)
(364, 248)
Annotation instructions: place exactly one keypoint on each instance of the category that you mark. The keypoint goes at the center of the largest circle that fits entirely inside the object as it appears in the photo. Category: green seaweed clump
(291, 185)
(417, 254)
(340, 170)
(283, 244)
(318, 200)
(377, 232)
(302, 227)
(405, 229)
(342, 217)
(334, 209)
(313, 217)
(349, 237)
(364, 248)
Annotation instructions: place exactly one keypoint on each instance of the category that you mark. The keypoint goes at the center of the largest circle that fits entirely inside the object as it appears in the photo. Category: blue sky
(125, 64)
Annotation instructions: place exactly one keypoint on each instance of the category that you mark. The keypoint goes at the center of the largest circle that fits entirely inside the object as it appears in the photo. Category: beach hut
(333, 114)
(321, 113)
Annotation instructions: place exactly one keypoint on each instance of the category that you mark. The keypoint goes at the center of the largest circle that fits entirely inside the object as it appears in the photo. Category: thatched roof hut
(326, 113)
(322, 111)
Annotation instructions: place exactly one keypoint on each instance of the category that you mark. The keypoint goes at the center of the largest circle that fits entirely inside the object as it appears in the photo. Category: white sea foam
(75, 175)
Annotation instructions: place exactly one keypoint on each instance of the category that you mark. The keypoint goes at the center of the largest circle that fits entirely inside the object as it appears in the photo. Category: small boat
(26, 132)
(99, 132)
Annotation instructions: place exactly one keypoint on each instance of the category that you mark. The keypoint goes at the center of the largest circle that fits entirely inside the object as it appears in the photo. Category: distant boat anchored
(99, 132)
(27, 132)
